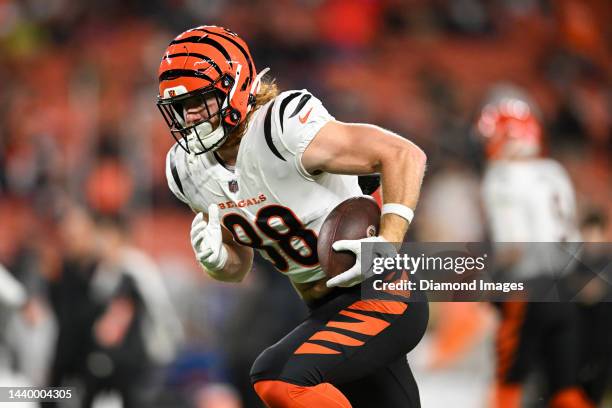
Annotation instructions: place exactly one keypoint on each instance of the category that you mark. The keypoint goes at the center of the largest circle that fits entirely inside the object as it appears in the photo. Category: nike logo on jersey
(304, 118)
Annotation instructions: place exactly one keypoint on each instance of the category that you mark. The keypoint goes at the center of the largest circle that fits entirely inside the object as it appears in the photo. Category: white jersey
(268, 201)
(530, 201)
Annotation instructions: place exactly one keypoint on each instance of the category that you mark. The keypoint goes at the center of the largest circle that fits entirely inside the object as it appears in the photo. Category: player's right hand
(354, 275)
(207, 240)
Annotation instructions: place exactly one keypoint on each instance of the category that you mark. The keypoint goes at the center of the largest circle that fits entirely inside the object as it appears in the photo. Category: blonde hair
(267, 91)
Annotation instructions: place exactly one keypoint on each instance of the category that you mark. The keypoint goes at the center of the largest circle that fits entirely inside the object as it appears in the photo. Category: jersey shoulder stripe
(291, 120)
(278, 106)
(268, 132)
(303, 100)
(283, 106)
(286, 100)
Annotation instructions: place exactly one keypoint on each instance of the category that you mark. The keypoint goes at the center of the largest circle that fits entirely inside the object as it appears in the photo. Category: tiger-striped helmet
(202, 63)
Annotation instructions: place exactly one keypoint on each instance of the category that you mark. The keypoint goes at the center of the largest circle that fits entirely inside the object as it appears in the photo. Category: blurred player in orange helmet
(509, 125)
(263, 170)
(528, 199)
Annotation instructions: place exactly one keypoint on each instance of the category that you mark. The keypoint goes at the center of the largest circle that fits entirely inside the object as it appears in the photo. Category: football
(355, 218)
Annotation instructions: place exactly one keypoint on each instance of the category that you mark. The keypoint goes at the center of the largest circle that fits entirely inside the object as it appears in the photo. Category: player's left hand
(355, 275)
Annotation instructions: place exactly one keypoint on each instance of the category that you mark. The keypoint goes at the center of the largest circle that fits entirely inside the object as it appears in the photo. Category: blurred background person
(529, 199)
(161, 329)
(116, 324)
(137, 331)
(69, 294)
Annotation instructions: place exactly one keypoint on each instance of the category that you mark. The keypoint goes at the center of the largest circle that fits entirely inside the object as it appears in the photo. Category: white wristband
(399, 209)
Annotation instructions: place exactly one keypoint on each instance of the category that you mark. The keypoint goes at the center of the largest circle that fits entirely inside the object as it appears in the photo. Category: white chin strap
(208, 136)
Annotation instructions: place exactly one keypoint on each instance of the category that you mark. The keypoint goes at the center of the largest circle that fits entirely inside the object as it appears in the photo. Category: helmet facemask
(206, 134)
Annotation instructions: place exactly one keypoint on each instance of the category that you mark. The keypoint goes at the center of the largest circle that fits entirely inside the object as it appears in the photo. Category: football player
(262, 170)
(528, 199)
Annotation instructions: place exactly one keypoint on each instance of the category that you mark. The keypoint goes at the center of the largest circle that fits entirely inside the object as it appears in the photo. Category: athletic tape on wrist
(399, 209)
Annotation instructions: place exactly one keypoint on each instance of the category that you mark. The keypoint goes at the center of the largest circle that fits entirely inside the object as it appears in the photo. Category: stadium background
(79, 127)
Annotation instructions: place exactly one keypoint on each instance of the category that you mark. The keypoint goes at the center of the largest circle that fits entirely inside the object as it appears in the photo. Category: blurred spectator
(161, 329)
(115, 321)
(116, 359)
(137, 328)
(70, 298)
